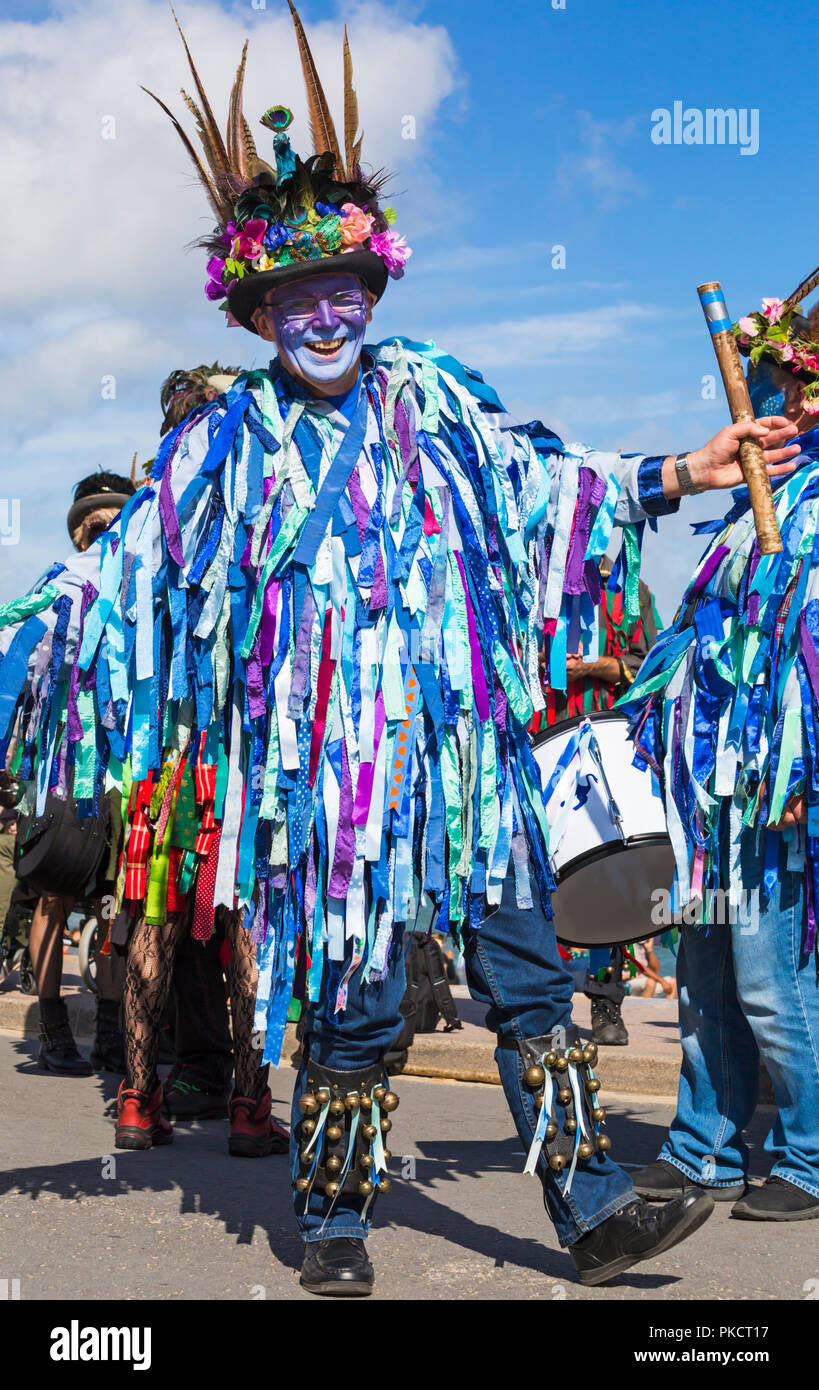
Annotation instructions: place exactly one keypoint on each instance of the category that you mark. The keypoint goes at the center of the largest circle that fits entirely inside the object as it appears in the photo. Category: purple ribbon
(590, 495)
(710, 567)
(478, 675)
(345, 838)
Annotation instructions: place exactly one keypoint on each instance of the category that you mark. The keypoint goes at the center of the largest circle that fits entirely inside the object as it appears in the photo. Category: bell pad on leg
(345, 1118)
(560, 1077)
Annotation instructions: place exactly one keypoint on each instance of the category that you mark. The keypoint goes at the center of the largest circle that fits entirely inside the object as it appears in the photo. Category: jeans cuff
(332, 1232)
(812, 1189)
(688, 1172)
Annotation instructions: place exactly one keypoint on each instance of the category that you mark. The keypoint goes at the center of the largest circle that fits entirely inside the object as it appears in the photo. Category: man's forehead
(314, 286)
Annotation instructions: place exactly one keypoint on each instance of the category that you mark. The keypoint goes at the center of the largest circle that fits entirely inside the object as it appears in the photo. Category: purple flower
(393, 251)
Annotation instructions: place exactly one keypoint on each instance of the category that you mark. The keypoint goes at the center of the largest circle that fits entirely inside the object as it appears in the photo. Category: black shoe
(338, 1267)
(58, 1050)
(777, 1200)
(189, 1097)
(608, 1028)
(661, 1181)
(108, 1052)
(637, 1232)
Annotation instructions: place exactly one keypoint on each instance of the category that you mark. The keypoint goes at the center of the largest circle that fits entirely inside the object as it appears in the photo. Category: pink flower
(393, 251)
(748, 326)
(786, 352)
(811, 406)
(773, 309)
(356, 225)
(249, 242)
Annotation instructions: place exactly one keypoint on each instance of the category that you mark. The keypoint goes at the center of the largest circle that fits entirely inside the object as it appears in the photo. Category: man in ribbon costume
(326, 612)
(726, 711)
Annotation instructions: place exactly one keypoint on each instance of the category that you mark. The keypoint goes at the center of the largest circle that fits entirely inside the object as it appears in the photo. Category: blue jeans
(513, 965)
(748, 993)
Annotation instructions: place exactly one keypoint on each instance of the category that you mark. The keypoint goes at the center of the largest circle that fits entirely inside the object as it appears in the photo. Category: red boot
(140, 1122)
(253, 1131)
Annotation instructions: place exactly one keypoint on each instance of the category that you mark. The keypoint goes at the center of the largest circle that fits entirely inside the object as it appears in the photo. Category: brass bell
(590, 1053)
(305, 1158)
(385, 1185)
(386, 1124)
(538, 1102)
(334, 1133)
(564, 1095)
(557, 1163)
(570, 1126)
(366, 1103)
(551, 1130)
(592, 1085)
(562, 1063)
(603, 1143)
(302, 1184)
(308, 1127)
(308, 1105)
(323, 1096)
(379, 1093)
(576, 1056)
(352, 1103)
(366, 1162)
(550, 1059)
(369, 1131)
(337, 1107)
(387, 1155)
(390, 1101)
(365, 1188)
(333, 1164)
(585, 1150)
(331, 1189)
(534, 1075)
(598, 1114)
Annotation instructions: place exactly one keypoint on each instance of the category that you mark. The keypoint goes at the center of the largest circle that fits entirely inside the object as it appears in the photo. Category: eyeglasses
(343, 302)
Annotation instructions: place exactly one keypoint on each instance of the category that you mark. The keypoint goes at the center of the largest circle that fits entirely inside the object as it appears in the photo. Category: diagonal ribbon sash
(334, 484)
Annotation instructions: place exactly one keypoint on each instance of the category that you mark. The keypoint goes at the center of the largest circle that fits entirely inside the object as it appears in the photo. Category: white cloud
(94, 229)
(545, 338)
(596, 166)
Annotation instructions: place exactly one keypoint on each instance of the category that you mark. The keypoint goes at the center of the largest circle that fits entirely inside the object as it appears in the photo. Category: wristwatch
(686, 482)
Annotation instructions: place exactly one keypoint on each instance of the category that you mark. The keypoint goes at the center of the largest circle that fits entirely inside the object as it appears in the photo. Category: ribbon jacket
(307, 655)
(725, 709)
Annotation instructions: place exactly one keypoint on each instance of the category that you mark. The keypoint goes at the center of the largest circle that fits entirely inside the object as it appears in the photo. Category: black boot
(58, 1051)
(108, 1052)
(777, 1200)
(637, 1232)
(339, 1268)
(608, 1028)
(661, 1181)
(189, 1096)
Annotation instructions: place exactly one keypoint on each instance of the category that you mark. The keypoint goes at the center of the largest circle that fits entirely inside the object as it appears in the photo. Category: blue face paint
(319, 313)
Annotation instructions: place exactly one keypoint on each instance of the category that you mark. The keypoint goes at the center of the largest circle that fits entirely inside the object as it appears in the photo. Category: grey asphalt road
(189, 1222)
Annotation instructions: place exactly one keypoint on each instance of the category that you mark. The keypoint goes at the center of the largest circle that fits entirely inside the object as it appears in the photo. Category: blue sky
(532, 131)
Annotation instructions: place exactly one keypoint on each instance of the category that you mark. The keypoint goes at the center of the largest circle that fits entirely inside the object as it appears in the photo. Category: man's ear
(371, 303)
(261, 322)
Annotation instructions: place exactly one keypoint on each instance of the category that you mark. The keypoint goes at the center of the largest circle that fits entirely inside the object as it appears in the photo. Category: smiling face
(318, 326)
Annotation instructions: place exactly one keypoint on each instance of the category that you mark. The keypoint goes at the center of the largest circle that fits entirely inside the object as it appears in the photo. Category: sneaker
(140, 1122)
(661, 1181)
(188, 1097)
(339, 1268)
(635, 1233)
(253, 1131)
(608, 1028)
(58, 1050)
(777, 1200)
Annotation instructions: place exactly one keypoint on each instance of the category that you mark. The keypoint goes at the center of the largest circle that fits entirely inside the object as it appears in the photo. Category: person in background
(98, 499)
(596, 685)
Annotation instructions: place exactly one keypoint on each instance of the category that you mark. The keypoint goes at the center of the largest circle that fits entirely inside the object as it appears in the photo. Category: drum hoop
(589, 856)
(595, 716)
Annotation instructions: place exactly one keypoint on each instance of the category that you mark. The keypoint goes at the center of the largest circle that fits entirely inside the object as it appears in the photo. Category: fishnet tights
(148, 974)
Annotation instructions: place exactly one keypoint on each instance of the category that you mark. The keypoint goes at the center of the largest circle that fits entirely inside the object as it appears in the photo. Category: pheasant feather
(209, 119)
(322, 130)
(352, 147)
(237, 153)
(221, 206)
(803, 290)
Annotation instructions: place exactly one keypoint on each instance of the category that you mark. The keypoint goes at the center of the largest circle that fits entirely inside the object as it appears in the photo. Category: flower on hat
(773, 309)
(748, 326)
(393, 251)
(356, 225)
(249, 242)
